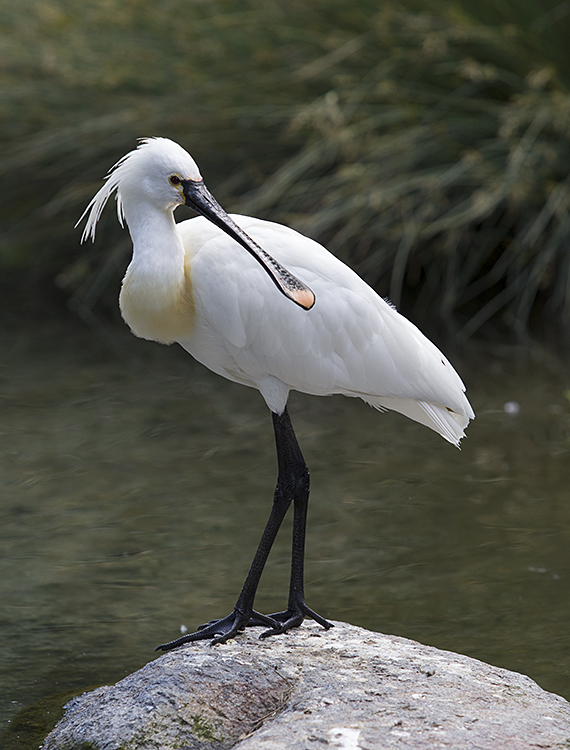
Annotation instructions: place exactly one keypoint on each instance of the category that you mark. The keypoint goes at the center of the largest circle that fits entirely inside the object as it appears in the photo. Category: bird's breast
(158, 309)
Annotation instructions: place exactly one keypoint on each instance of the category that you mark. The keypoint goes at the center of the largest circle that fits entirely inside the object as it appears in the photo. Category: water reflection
(133, 496)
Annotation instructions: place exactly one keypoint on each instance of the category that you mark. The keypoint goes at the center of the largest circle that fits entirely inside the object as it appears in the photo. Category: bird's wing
(351, 341)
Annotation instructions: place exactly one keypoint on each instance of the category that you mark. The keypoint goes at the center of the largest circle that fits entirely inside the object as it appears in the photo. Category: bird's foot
(221, 630)
(292, 617)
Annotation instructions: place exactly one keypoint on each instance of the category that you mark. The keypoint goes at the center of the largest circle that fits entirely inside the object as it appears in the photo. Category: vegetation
(428, 147)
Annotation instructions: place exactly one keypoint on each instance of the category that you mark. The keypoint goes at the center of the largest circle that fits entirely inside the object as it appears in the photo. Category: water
(134, 491)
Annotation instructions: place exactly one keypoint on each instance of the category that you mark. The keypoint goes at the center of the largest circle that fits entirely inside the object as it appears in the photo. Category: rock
(344, 688)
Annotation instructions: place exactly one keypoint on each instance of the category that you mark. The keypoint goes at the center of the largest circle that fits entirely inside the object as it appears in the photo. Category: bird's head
(157, 172)
(162, 174)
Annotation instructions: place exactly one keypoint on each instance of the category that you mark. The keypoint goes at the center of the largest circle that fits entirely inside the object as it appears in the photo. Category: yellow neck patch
(159, 313)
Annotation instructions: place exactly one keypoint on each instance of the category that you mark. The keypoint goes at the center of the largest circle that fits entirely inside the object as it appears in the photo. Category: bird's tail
(448, 423)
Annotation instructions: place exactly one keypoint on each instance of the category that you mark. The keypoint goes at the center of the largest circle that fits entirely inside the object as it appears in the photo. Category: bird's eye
(174, 179)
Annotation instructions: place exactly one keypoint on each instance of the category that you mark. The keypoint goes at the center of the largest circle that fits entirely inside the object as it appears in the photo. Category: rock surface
(346, 688)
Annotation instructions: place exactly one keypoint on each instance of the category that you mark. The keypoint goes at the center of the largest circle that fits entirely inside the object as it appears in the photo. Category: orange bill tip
(305, 298)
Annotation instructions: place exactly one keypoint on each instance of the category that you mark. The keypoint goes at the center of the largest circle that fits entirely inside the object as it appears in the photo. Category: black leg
(292, 486)
(226, 628)
(293, 482)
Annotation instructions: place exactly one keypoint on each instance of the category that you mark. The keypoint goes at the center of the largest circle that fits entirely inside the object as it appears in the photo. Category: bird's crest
(163, 148)
(99, 200)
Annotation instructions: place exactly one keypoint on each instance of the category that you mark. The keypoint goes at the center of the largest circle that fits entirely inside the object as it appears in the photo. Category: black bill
(201, 200)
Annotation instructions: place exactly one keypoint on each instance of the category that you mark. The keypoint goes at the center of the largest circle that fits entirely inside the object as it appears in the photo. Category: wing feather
(351, 342)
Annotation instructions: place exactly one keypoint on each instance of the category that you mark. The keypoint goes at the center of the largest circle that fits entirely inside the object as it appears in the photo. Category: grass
(428, 146)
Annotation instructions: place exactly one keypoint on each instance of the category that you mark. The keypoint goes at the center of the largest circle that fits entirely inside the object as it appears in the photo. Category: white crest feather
(99, 200)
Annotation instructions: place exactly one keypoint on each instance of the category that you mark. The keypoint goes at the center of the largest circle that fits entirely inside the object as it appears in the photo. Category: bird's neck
(156, 240)
(156, 297)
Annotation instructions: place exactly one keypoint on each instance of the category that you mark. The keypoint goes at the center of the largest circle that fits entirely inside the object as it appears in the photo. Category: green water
(134, 491)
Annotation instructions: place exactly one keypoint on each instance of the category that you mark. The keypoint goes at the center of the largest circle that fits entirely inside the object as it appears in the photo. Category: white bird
(297, 318)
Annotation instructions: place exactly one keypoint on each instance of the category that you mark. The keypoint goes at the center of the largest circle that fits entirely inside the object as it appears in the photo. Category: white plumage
(191, 283)
(282, 314)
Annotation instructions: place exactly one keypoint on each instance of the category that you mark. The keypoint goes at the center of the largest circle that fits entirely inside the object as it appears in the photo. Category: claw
(222, 630)
(292, 618)
(219, 631)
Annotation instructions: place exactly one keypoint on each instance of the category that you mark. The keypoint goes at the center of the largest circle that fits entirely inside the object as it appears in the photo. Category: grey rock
(310, 689)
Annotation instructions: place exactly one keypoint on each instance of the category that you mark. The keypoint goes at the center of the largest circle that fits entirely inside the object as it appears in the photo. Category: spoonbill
(262, 305)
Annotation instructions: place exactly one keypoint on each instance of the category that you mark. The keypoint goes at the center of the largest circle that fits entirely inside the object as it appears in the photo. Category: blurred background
(425, 143)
